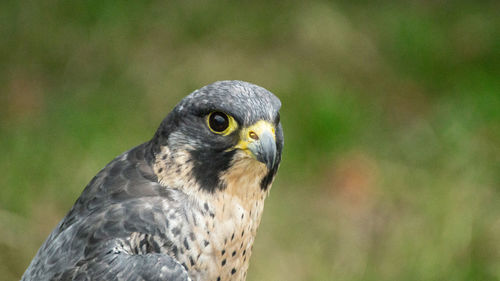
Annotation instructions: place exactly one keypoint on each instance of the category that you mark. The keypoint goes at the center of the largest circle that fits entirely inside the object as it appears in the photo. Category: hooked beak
(259, 141)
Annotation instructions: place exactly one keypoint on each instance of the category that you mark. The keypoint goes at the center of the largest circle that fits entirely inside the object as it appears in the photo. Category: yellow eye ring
(221, 123)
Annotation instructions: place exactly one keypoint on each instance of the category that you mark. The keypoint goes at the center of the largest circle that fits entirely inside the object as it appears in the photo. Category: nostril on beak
(253, 135)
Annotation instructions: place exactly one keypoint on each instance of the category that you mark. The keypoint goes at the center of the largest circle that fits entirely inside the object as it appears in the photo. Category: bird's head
(223, 130)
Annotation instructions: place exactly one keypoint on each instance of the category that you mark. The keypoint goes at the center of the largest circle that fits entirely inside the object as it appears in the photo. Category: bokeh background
(391, 112)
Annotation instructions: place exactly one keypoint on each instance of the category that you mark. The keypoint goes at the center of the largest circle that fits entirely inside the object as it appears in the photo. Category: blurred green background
(391, 112)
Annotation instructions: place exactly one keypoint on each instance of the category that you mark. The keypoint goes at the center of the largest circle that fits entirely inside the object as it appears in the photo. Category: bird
(184, 205)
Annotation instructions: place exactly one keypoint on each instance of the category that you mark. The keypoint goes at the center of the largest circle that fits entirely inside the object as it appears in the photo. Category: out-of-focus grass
(391, 167)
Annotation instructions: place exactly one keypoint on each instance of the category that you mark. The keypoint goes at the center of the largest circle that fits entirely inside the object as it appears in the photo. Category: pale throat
(241, 203)
(228, 217)
(241, 181)
(237, 211)
(241, 199)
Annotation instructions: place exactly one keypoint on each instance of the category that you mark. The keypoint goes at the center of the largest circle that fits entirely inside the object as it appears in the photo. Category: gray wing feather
(123, 267)
(117, 229)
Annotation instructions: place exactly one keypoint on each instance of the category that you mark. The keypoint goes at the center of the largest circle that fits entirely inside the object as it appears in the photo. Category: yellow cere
(256, 129)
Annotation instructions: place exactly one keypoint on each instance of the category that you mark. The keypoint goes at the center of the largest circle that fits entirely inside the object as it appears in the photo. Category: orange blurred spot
(25, 98)
(353, 178)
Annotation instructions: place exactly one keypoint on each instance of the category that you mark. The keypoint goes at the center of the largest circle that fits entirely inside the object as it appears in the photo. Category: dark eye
(218, 121)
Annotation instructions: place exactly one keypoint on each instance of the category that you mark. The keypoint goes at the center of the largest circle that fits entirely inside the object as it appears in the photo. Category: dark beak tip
(271, 160)
(268, 150)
